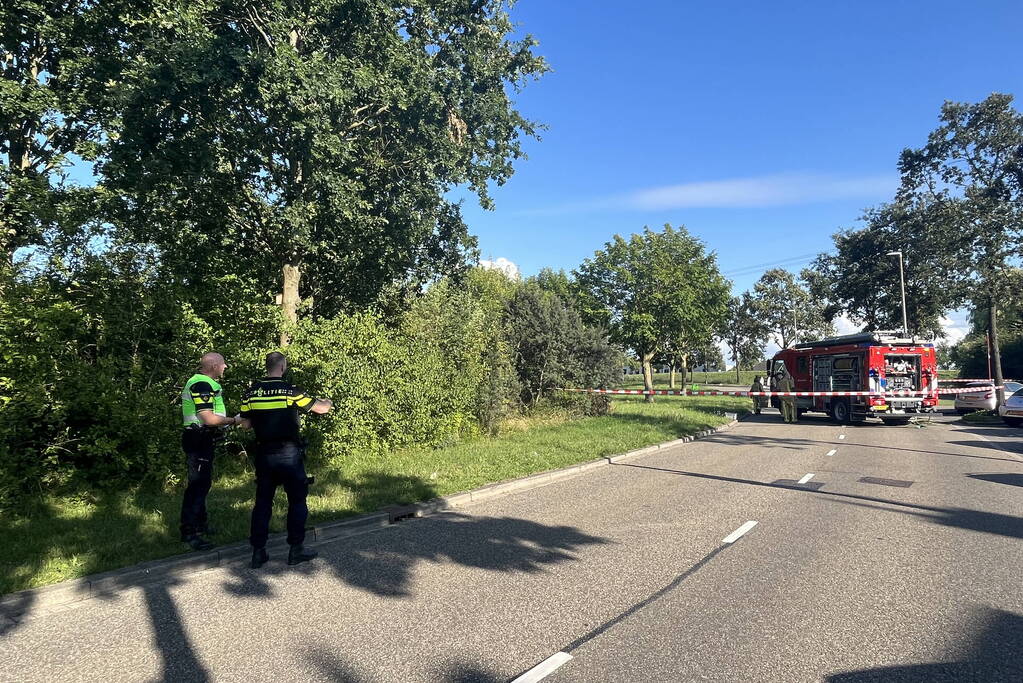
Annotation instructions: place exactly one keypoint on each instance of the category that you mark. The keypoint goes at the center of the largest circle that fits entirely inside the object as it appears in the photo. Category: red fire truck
(870, 361)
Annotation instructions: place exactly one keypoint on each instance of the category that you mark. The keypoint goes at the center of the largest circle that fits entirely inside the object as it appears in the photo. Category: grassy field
(63, 538)
(661, 379)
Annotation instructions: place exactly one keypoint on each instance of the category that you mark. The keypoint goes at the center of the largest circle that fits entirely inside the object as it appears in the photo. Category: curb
(14, 607)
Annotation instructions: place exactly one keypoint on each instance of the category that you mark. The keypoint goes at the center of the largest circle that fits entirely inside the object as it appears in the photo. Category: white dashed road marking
(841, 436)
(737, 534)
(544, 668)
(832, 451)
(806, 478)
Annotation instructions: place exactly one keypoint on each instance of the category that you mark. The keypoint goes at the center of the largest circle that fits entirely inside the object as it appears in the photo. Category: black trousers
(198, 447)
(279, 464)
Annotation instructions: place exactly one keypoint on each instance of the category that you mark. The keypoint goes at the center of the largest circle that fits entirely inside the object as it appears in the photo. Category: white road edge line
(738, 533)
(544, 668)
(832, 451)
(806, 478)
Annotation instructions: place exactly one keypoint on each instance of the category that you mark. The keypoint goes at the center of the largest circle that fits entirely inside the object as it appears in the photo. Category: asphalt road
(912, 576)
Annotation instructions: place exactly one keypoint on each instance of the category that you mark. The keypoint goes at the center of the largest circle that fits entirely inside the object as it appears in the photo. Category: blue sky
(761, 127)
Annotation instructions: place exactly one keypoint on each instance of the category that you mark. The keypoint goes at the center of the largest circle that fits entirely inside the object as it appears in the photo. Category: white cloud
(770, 190)
(955, 326)
(843, 325)
(502, 264)
(779, 189)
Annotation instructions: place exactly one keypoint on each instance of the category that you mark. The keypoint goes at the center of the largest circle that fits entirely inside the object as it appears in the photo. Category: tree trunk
(996, 353)
(648, 375)
(738, 379)
(289, 298)
(685, 368)
(671, 375)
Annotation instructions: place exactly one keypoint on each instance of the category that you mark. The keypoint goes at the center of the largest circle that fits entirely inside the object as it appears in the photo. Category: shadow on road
(973, 520)
(993, 656)
(383, 563)
(332, 667)
(1000, 478)
(793, 443)
(179, 661)
(13, 612)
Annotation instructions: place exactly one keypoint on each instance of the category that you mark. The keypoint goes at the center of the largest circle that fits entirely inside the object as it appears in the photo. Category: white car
(1012, 410)
(982, 400)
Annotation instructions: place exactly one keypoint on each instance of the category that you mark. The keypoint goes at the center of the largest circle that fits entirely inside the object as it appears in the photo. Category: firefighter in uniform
(788, 403)
(204, 416)
(758, 401)
(271, 407)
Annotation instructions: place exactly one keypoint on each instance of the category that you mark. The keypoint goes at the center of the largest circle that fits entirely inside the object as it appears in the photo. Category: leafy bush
(552, 347)
(95, 356)
(92, 365)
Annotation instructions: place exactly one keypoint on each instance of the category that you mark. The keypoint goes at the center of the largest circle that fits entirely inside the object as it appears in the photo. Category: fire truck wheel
(840, 412)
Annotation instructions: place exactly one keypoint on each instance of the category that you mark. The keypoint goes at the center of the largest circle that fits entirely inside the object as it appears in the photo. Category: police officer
(204, 415)
(271, 407)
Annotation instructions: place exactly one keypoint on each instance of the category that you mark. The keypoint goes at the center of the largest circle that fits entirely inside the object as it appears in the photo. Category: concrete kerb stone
(351, 527)
(76, 590)
(150, 572)
(63, 593)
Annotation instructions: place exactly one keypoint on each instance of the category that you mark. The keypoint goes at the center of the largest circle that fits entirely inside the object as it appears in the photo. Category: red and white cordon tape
(688, 392)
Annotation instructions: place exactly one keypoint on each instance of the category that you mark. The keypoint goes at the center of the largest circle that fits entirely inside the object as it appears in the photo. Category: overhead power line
(792, 260)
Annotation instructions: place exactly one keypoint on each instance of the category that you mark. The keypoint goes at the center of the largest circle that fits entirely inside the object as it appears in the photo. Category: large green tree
(314, 146)
(785, 306)
(653, 289)
(972, 166)
(56, 59)
(744, 332)
(860, 279)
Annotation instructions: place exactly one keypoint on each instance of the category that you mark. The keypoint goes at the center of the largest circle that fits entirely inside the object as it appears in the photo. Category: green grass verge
(661, 379)
(62, 538)
(983, 417)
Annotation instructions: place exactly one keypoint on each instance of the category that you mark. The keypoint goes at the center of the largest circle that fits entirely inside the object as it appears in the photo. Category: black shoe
(259, 557)
(299, 554)
(199, 543)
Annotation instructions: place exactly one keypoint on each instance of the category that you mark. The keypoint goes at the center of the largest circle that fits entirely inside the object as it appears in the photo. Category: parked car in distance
(982, 400)
(1012, 410)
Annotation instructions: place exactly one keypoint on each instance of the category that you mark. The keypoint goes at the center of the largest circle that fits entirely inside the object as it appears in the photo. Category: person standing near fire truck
(788, 403)
(758, 401)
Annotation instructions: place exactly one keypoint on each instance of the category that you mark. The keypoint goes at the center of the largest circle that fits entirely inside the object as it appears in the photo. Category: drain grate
(901, 483)
(397, 513)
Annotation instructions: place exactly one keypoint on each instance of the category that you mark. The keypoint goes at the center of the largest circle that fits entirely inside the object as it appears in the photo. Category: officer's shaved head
(212, 365)
(210, 360)
(275, 362)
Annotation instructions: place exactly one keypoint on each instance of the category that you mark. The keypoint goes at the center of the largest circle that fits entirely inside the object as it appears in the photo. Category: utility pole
(902, 286)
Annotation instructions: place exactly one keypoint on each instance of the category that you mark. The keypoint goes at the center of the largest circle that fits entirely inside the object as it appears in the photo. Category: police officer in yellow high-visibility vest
(204, 415)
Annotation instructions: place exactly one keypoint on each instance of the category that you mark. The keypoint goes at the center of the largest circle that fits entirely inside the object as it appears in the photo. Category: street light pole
(902, 286)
